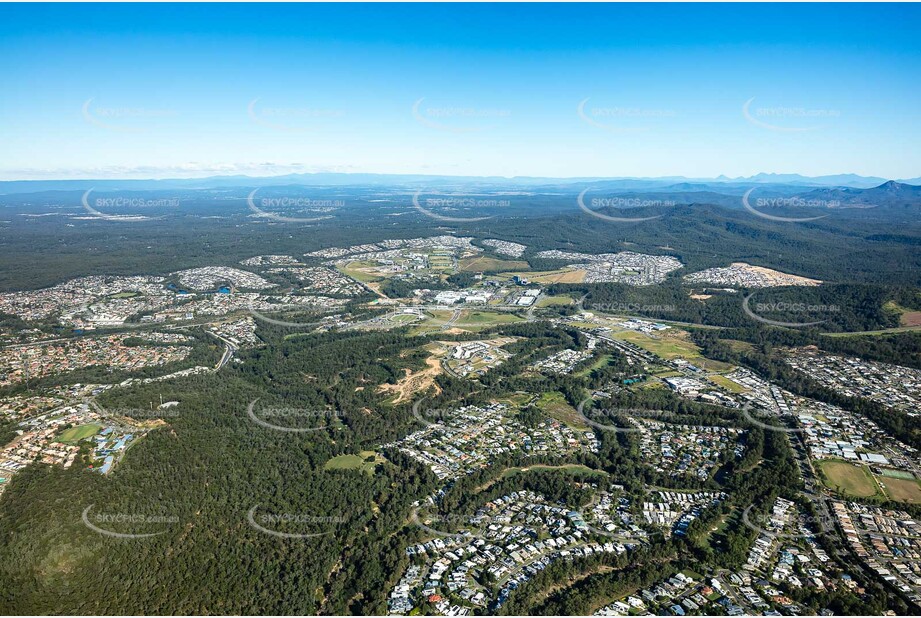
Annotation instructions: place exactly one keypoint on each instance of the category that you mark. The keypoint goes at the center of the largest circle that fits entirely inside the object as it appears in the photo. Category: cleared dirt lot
(420, 381)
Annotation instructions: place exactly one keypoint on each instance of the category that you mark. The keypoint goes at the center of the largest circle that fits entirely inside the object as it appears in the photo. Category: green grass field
(563, 275)
(897, 474)
(555, 406)
(434, 321)
(601, 361)
(555, 301)
(728, 384)
(355, 462)
(719, 526)
(672, 345)
(847, 478)
(351, 269)
(488, 318)
(75, 434)
(480, 320)
(666, 347)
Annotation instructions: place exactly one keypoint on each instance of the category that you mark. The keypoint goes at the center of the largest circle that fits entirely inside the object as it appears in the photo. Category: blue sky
(544, 90)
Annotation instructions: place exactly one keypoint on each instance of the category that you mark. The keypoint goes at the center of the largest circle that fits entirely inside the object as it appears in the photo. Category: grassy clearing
(574, 469)
(555, 301)
(435, 319)
(554, 405)
(483, 264)
(848, 479)
(729, 385)
(713, 365)
(601, 361)
(907, 317)
(718, 527)
(355, 271)
(488, 317)
(364, 461)
(666, 346)
(516, 400)
(739, 346)
(564, 275)
(673, 344)
(75, 434)
(478, 320)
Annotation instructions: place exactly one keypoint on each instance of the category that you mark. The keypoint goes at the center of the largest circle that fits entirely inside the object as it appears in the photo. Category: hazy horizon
(721, 178)
(120, 91)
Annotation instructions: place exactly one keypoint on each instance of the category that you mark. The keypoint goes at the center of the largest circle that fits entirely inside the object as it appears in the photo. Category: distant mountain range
(836, 180)
(889, 194)
(720, 184)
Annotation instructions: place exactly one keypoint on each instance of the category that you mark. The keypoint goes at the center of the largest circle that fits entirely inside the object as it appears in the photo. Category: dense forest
(211, 465)
(208, 467)
(41, 251)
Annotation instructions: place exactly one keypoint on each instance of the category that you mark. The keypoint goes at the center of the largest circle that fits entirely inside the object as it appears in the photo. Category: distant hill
(890, 194)
(840, 180)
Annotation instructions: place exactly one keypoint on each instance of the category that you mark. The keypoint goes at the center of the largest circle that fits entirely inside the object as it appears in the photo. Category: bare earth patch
(746, 275)
(778, 277)
(911, 318)
(419, 381)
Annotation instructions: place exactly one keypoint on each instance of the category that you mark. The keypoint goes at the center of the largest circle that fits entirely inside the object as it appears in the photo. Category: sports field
(902, 490)
(847, 478)
(897, 474)
(75, 434)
